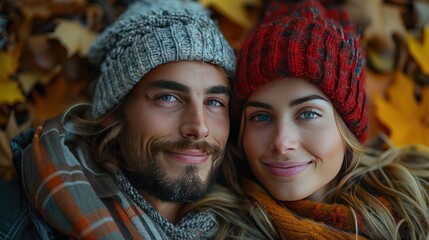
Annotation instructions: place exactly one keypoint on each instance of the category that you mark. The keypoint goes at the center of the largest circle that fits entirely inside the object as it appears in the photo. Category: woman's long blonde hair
(400, 175)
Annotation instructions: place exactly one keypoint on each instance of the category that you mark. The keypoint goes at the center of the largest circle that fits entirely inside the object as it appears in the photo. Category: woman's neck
(324, 194)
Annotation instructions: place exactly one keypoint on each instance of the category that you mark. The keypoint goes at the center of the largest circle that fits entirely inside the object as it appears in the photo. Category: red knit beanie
(307, 41)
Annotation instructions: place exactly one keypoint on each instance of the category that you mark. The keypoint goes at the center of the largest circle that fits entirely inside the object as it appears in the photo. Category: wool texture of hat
(305, 41)
(151, 33)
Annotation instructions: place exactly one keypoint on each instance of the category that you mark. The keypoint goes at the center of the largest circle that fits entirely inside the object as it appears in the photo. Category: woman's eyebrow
(257, 104)
(306, 99)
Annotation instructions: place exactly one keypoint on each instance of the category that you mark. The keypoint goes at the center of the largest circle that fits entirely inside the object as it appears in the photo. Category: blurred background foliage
(44, 68)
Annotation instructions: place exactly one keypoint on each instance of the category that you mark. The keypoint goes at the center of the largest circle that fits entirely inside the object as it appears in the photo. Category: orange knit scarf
(315, 220)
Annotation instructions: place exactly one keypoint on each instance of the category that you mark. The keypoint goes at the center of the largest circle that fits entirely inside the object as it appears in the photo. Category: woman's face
(291, 139)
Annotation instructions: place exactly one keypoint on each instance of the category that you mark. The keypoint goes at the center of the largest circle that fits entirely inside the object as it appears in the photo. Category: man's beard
(146, 173)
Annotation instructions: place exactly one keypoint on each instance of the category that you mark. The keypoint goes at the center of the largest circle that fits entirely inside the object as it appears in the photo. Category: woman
(300, 92)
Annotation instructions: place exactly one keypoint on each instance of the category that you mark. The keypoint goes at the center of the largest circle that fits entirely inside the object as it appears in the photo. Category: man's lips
(287, 168)
(189, 157)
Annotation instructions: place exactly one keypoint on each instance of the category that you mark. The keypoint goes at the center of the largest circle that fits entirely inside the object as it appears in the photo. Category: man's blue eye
(167, 98)
(214, 103)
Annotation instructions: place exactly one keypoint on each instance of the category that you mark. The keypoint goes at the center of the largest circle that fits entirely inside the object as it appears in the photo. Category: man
(157, 133)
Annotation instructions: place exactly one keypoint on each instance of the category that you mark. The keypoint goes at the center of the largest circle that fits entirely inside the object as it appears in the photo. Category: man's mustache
(184, 144)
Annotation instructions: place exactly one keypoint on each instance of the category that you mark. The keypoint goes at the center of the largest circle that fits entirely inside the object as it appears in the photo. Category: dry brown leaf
(59, 95)
(49, 8)
(421, 9)
(384, 62)
(235, 10)
(376, 85)
(28, 80)
(393, 25)
(235, 18)
(380, 22)
(364, 12)
(40, 53)
(75, 37)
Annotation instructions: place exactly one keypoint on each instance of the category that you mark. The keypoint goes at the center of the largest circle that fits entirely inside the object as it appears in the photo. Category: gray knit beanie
(148, 34)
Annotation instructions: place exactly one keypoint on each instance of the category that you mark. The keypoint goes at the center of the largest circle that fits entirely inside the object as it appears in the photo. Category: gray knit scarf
(195, 225)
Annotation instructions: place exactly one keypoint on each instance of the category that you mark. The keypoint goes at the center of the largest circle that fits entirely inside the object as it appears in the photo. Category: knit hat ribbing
(151, 33)
(308, 45)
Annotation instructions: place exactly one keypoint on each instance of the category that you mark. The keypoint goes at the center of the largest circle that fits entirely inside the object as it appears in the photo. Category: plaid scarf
(82, 201)
(194, 226)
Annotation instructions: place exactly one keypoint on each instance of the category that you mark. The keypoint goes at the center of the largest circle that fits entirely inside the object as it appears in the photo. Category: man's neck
(173, 212)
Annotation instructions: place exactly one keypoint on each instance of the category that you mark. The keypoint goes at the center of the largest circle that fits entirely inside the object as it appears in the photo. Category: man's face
(177, 126)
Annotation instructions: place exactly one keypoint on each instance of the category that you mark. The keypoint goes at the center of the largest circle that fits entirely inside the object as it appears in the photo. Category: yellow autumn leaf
(10, 92)
(29, 79)
(234, 10)
(75, 37)
(406, 118)
(8, 64)
(420, 50)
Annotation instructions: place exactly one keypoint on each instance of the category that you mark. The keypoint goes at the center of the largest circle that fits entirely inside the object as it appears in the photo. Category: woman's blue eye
(261, 118)
(308, 115)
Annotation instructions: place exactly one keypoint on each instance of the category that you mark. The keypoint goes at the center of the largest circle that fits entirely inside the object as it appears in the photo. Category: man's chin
(187, 188)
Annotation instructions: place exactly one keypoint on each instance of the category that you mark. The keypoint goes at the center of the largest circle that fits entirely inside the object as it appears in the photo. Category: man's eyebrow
(306, 99)
(172, 85)
(168, 84)
(219, 90)
(257, 104)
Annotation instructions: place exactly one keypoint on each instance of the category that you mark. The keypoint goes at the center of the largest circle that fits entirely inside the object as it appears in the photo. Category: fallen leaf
(28, 80)
(235, 10)
(50, 8)
(420, 50)
(40, 54)
(58, 95)
(406, 118)
(9, 64)
(10, 92)
(233, 33)
(376, 85)
(381, 62)
(421, 10)
(380, 22)
(75, 37)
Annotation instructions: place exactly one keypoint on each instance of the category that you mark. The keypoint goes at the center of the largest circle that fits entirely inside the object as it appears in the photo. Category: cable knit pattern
(303, 40)
(149, 34)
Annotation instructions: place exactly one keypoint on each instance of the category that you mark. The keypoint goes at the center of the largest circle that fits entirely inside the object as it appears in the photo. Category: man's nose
(194, 125)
